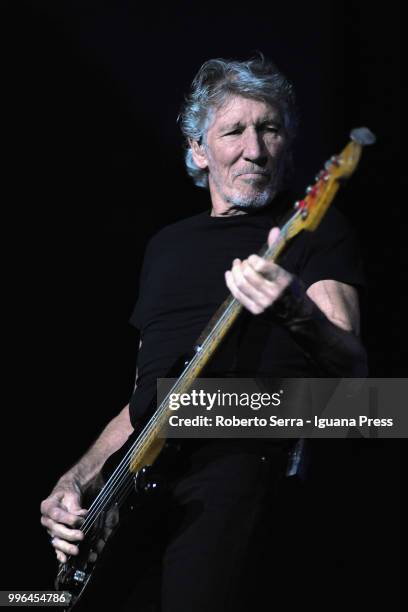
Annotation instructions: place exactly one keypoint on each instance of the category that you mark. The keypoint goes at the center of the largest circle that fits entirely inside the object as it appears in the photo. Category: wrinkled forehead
(239, 109)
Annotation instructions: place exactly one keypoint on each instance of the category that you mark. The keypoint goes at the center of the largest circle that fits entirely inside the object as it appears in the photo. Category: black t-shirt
(182, 284)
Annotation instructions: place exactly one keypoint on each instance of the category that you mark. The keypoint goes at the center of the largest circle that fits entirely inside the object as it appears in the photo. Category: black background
(93, 166)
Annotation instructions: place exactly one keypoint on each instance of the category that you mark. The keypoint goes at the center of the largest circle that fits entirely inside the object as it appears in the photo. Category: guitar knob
(79, 576)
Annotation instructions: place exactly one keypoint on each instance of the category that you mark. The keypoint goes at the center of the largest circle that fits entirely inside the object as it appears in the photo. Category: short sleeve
(332, 252)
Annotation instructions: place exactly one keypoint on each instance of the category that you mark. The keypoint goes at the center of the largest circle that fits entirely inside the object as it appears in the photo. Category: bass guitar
(135, 469)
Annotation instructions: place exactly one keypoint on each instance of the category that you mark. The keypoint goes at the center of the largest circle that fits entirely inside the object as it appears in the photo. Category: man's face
(244, 152)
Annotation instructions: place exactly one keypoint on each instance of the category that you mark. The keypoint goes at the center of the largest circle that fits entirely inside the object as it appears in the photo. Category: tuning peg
(363, 136)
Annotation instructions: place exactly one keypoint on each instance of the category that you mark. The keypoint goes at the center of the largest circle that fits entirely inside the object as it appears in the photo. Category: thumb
(273, 235)
(71, 502)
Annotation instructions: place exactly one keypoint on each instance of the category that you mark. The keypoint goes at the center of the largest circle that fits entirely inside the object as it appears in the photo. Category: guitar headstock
(319, 195)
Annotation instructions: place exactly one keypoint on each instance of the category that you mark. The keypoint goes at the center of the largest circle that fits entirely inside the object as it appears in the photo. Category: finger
(71, 503)
(50, 502)
(278, 277)
(68, 500)
(267, 269)
(61, 557)
(257, 277)
(65, 547)
(59, 515)
(273, 236)
(81, 512)
(251, 284)
(65, 533)
(241, 297)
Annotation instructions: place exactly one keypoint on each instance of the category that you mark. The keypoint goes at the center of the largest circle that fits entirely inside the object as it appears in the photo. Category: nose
(254, 147)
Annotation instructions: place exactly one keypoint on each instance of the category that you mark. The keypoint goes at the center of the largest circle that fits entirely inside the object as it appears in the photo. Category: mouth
(265, 173)
(254, 176)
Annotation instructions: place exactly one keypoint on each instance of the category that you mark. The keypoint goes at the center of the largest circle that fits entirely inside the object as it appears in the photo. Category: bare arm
(324, 321)
(110, 440)
(62, 513)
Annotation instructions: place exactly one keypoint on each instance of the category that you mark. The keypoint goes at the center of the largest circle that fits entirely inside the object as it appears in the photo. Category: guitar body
(89, 582)
(103, 571)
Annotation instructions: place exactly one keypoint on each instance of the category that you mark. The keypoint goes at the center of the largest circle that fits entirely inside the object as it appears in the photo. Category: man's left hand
(257, 283)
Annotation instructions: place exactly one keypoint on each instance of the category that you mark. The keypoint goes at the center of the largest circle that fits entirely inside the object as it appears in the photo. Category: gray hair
(218, 79)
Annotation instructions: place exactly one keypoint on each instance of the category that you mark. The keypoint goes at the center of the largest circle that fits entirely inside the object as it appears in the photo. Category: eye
(235, 132)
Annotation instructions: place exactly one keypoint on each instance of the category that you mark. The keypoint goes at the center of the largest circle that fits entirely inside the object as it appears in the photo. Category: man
(302, 319)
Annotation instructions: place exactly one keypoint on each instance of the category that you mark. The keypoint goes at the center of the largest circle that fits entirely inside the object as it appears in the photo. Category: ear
(198, 153)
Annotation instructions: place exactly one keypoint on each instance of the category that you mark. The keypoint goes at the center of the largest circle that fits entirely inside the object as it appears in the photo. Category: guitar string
(115, 481)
